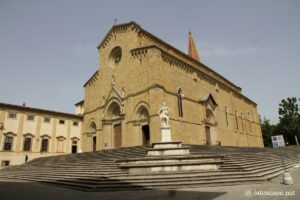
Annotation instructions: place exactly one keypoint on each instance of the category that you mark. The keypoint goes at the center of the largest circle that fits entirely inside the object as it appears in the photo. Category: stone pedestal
(165, 145)
(170, 163)
(168, 156)
(166, 134)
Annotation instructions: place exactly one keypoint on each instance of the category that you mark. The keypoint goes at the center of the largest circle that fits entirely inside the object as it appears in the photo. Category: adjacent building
(34, 132)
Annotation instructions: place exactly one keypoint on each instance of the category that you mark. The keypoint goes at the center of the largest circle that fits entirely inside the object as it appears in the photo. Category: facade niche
(180, 95)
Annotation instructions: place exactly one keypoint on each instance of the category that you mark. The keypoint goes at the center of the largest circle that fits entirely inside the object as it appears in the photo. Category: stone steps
(99, 171)
(142, 179)
(251, 165)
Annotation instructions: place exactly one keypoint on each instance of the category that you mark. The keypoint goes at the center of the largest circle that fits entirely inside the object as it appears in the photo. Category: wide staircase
(99, 171)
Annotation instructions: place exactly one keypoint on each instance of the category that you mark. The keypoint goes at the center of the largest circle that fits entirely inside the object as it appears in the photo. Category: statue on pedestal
(163, 114)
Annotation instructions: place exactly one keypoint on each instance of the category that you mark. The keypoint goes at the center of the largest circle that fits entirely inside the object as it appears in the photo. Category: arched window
(93, 129)
(180, 95)
(242, 121)
(114, 110)
(143, 113)
(250, 122)
(226, 116)
(236, 121)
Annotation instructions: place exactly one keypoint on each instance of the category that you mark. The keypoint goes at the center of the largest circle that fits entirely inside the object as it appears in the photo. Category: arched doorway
(209, 123)
(114, 114)
(93, 130)
(143, 118)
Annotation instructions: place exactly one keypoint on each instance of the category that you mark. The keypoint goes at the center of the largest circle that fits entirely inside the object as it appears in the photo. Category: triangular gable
(113, 93)
(116, 27)
(209, 99)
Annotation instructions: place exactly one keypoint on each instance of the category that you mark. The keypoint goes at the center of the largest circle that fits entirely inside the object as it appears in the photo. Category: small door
(207, 134)
(146, 135)
(94, 143)
(74, 148)
(118, 135)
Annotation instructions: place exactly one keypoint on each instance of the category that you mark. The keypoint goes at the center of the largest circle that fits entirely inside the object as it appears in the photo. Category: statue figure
(123, 92)
(163, 114)
(113, 80)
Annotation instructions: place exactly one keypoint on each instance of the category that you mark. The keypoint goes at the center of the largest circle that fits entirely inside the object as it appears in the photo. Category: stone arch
(113, 124)
(142, 117)
(92, 126)
(142, 111)
(113, 110)
(93, 130)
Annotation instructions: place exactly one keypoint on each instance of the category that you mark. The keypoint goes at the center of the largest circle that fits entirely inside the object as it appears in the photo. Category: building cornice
(91, 80)
(143, 91)
(39, 111)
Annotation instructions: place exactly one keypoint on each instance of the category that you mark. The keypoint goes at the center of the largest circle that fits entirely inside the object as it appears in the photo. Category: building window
(27, 144)
(242, 120)
(46, 119)
(5, 163)
(236, 121)
(180, 95)
(44, 147)
(12, 115)
(75, 123)
(115, 56)
(8, 143)
(226, 117)
(250, 122)
(30, 117)
(61, 121)
(74, 142)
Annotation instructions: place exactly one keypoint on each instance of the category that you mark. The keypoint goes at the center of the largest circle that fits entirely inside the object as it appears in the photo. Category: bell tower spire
(192, 48)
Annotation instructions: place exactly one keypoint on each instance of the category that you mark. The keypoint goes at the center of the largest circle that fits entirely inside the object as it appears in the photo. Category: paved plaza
(36, 191)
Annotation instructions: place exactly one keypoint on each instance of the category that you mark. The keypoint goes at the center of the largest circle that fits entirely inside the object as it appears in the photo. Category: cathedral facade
(138, 73)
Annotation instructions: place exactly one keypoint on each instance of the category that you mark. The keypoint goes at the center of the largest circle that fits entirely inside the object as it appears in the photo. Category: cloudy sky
(48, 48)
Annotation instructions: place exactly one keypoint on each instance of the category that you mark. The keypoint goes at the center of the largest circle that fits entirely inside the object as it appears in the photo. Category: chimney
(24, 104)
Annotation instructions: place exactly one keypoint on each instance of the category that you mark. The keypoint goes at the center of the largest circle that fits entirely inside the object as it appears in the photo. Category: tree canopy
(289, 122)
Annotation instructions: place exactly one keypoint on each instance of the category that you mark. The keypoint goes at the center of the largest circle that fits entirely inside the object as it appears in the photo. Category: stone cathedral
(138, 73)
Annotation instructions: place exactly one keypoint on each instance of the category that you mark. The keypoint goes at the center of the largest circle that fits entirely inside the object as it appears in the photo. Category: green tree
(268, 130)
(289, 119)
